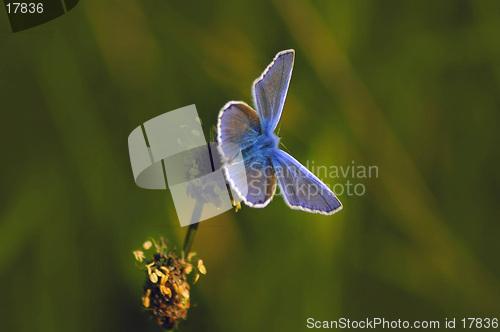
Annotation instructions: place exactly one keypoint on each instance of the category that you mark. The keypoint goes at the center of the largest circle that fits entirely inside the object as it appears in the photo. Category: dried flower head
(166, 289)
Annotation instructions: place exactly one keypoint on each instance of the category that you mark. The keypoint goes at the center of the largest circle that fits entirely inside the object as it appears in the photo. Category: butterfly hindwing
(270, 89)
(301, 189)
(261, 180)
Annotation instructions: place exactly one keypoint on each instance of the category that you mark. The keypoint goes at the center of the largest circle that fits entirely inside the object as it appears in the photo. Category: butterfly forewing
(237, 129)
(269, 90)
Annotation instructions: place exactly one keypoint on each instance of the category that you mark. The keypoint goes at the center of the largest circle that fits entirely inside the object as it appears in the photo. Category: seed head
(166, 288)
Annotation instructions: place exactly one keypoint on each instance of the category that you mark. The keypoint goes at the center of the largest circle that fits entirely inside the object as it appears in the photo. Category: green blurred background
(409, 86)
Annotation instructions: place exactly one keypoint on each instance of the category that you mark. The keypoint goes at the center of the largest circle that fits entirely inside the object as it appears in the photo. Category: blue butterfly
(242, 129)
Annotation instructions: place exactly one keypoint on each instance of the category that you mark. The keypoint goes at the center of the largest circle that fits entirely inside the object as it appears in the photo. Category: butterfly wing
(301, 189)
(261, 180)
(251, 177)
(237, 129)
(269, 90)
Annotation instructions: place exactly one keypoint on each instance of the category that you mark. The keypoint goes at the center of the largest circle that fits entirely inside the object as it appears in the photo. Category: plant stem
(195, 220)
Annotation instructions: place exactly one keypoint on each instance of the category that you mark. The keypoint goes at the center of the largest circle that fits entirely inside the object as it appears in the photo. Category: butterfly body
(267, 143)
(242, 129)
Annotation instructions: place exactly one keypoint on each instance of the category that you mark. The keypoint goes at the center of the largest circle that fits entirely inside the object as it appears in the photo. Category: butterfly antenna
(281, 143)
(279, 127)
